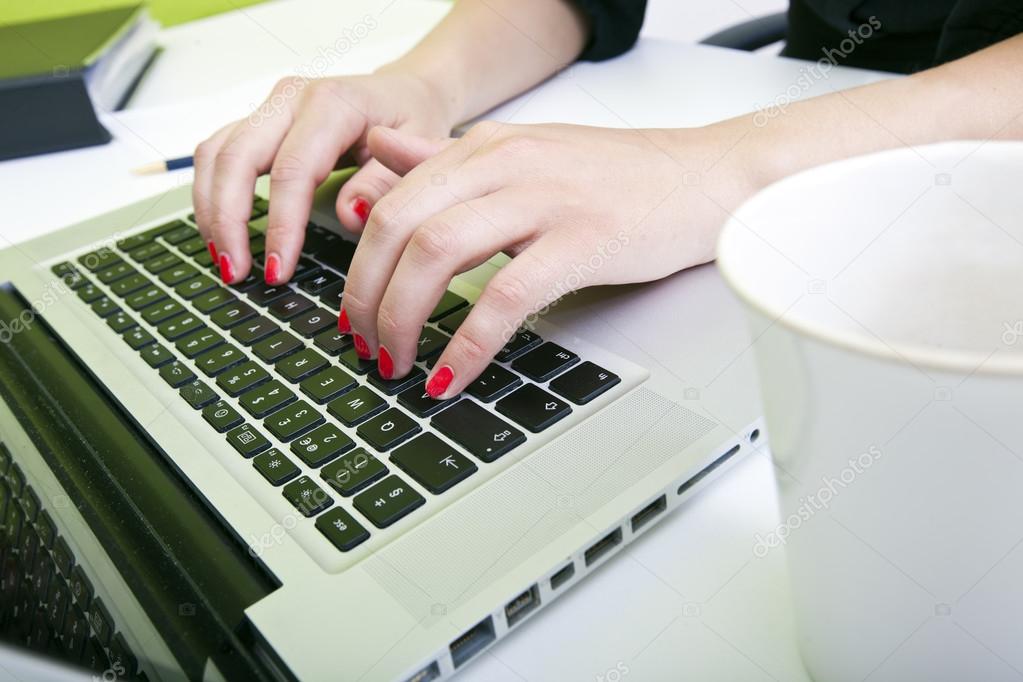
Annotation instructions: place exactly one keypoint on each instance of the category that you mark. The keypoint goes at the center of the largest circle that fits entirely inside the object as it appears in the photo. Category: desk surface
(689, 600)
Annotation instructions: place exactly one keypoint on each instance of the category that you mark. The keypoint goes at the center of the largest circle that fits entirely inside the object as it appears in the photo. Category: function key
(97, 260)
(154, 232)
(540, 364)
(341, 529)
(328, 384)
(180, 234)
(221, 416)
(292, 421)
(432, 463)
(321, 445)
(388, 429)
(517, 345)
(307, 497)
(247, 440)
(332, 342)
(275, 467)
(161, 263)
(148, 252)
(492, 383)
(388, 501)
(356, 405)
(449, 303)
(483, 434)
(584, 383)
(134, 241)
(533, 407)
(353, 472)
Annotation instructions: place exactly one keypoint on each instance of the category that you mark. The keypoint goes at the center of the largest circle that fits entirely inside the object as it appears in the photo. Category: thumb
(401, 151)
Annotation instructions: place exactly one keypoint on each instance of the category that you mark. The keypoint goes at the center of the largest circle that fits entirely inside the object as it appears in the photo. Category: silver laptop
(203, 481)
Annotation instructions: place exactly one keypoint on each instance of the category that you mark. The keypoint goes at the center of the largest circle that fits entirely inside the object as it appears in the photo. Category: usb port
(648, 512)
(472, 642)
(562, 576)
(522, 605)
(430, 672)
(603, 546)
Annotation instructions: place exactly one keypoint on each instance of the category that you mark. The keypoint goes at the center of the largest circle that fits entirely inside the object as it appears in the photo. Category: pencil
(164, 166)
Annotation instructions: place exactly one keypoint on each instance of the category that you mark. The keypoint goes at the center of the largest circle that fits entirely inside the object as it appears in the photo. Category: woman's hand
(574, 206)
(304, 130)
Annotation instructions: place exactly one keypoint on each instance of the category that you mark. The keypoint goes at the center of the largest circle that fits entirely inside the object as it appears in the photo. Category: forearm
(486, 51)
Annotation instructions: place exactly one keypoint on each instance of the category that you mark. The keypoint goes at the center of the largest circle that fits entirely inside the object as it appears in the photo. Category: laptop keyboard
(267, 368)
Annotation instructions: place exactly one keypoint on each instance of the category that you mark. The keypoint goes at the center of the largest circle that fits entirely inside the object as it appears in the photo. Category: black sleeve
(614, 26)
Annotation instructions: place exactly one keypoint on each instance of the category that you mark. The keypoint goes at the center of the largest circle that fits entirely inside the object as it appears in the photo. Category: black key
(76, 633)
(493, 383)
(353, 472)
(179, 325)
(65, 268)
(449, 303)
(275, 467)
(138, 338)
(298, 366)
(57, 601)
(307, 497)
(161, 263)
(120, 322)
(176, 374)
(328, 384)
(484, 435)
(204, 260)
(81, 587)
(318, 238)
(264, 399)
(341, 529)
(95, 657)
(517, 345)
(221, 416)
(94, 261)
(148, 252)
(160, 312)
(432, 463)
(419, 402)
(178, 274)
(533, 407)
(199, 342)
(102, 623)
(584, 383)
(219, 359)
(194, 287)
(115, 273)
(431, 342)
(121, 657)
(321, 445)
(352, 361)
(104, 307)
(89, 293)
(395, 386)
(264, 294)
(247, 440)
(317, 283)
(257, 245)
(388, 428)
(313, 321)
(192, 246)
(134, 241)
(46, 528)
(356, 405)
(292, 421)
(388, 501)
(254, 330)
(198, 395)
(277, 346)
(180, 234)
(540, 364)
(332, 295)
(290, 305)
(260, 205)
(211, 300)
(232, 314)
(241, 378)
(338, 256)
(156, 355)
(146, 296)
(304, 268)
(255, 279)
(332, 342)
(155, 232)
(452, 322)
(62, 557)
(129, 284)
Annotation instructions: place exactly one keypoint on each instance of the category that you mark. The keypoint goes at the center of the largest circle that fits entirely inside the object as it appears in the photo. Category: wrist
(434, 85)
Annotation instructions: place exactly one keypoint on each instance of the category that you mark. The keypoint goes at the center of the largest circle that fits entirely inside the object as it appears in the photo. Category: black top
(889, 35)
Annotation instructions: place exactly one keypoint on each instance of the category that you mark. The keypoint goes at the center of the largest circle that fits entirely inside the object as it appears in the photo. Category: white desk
(689, 600)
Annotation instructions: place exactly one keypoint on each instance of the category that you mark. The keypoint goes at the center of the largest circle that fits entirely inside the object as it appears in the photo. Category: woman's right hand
(303, 131)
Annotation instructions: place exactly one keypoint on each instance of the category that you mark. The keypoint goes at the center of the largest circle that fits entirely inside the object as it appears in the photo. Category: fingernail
(273, 269)
(213, 250)
(361, 347)
(384, 363)
(343, 325)
(440, 381)
(361, 208)
(226, 269)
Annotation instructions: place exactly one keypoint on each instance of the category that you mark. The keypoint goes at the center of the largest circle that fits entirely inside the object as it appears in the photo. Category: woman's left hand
(574, 207)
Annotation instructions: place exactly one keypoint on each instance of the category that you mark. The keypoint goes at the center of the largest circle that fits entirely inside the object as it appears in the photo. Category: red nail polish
(213, 250)
(361, 347)
(226, 269)
(343, 325)
(384, 363)
(273, 269)
(361, 208)
(440, 382)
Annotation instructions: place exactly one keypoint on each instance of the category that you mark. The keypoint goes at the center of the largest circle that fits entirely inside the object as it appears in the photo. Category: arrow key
(533, 407)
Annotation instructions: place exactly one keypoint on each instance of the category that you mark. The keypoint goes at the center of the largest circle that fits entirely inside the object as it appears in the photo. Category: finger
(321, 133)
(361, 193)
(530, 281)
(202, 184)
(400, 150)
(243, 157)
(450, 243)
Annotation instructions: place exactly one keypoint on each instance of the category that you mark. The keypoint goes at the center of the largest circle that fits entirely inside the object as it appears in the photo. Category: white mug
(885, 295)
